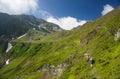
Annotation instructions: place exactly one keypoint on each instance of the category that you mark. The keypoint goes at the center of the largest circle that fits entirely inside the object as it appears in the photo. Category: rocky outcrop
(117, 35)
(53, 70)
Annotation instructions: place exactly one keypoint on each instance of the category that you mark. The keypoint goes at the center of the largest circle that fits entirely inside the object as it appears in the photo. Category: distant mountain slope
(16, 25)
(61, 54)
(13, 26)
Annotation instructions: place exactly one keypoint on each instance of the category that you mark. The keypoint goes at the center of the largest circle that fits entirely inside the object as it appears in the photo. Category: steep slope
(13, 26)
(61, 54)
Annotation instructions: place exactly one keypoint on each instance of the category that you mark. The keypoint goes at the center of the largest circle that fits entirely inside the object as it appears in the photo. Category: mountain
(13, 26)
(60, 55)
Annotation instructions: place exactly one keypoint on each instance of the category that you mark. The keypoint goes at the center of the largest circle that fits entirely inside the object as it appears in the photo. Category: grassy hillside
(61, 54)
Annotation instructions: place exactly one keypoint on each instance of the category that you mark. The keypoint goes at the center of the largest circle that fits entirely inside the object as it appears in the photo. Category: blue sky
(81, 9)
(65, 13)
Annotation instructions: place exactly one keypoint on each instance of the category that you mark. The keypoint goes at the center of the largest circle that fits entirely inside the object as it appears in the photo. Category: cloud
(66, 23)
(18, 6)
(107, 8)
(44, 14)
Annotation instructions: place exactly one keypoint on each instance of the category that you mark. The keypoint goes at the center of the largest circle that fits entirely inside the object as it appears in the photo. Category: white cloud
(18, 6)
(44, 14)
(107, 8)
(66, 23)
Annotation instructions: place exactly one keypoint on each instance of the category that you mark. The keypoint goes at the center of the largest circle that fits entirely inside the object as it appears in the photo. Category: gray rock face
(55, 70)
(117, 35)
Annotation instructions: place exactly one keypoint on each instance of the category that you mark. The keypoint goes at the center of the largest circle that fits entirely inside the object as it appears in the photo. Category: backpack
(91, 60)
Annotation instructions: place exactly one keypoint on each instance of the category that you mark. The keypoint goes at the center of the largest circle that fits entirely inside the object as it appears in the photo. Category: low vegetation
(38, 59)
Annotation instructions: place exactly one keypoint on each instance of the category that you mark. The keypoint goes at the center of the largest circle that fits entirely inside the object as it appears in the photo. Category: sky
(68, 14)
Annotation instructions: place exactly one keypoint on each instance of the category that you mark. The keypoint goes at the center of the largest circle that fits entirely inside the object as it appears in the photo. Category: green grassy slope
(39, 59)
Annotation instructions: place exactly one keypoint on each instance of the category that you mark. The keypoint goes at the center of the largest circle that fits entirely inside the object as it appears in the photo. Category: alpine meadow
(46, 51)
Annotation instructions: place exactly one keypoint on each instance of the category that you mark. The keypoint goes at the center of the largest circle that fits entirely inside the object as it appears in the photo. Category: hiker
(90, 60)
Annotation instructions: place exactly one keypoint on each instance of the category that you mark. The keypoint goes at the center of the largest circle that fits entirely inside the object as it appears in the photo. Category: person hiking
(90, 60)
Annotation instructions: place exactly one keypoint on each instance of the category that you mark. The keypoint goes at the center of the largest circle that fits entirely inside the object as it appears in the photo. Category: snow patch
(22, 36)
(8, 61)
(39, 26)
(13, 38)
(9, 47)
(34, 29)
